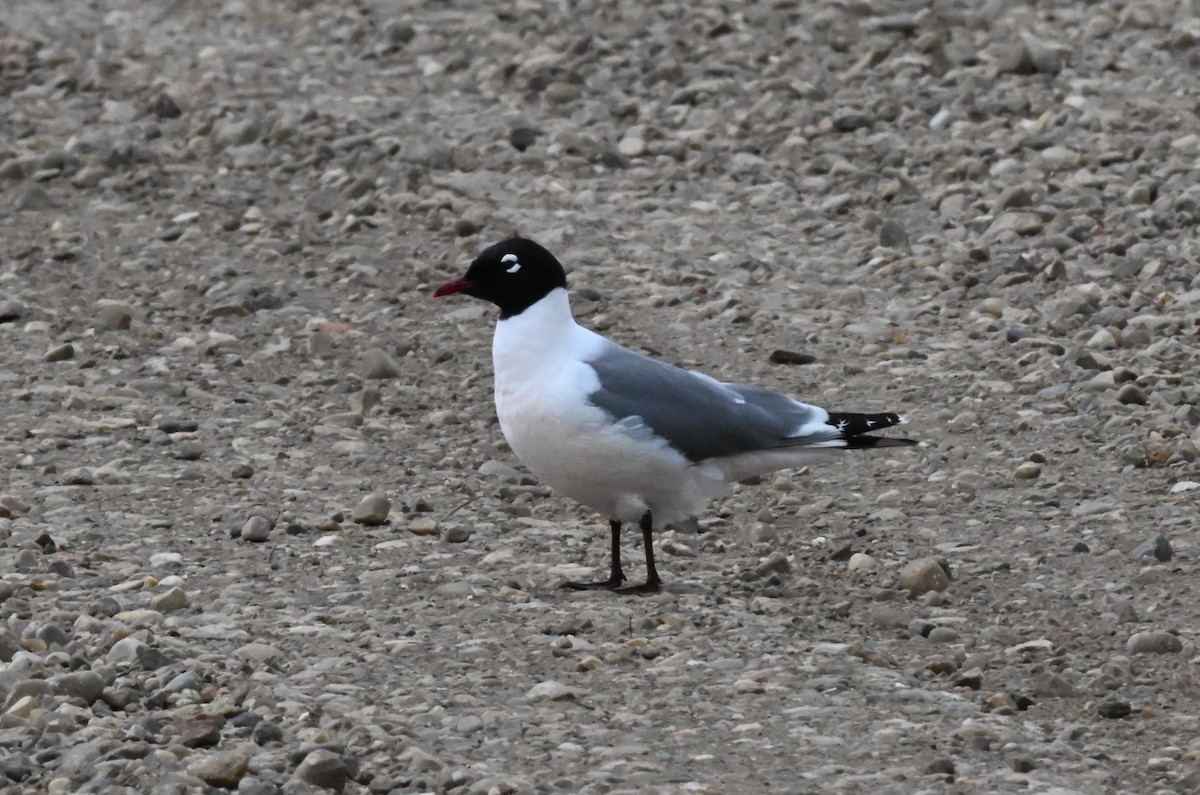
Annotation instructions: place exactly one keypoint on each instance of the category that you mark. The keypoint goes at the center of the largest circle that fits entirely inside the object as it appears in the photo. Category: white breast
(542, 390)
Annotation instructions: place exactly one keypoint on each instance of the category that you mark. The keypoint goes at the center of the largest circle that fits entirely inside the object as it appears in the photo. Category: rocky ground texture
(259, 530)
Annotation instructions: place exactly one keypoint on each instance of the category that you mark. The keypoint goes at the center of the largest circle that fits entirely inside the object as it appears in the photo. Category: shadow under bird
(633, 438)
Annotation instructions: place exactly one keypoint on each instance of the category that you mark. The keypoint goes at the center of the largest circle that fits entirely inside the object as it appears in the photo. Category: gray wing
(698, 416)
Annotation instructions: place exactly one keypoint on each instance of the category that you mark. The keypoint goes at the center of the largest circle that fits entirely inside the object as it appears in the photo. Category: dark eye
(511, 261)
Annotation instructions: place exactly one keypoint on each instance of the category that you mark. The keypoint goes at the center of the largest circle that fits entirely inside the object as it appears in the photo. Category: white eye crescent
(516, 266)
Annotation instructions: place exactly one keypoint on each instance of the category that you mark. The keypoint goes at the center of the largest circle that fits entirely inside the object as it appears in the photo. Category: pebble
(60, 353)
(380, 365)
(457, 534)
(552, 691)
(923, 575)
(1157, 546)
(223, 769)
(257, 529)
(323, 768)
(1131, 395)
(114, 317)
(1028, 470)
(175, 598)
(176, 425)
(84, 685)
(189, 450)
(1154, 641)
(372, 510)
(562, 93)
(423, 526)
(861, 561)
(11, 310)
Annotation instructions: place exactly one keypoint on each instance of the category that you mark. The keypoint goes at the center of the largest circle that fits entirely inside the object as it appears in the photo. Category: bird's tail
(854, 429)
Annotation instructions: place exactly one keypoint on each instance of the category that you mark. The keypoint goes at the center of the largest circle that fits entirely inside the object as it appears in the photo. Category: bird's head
(513, 274)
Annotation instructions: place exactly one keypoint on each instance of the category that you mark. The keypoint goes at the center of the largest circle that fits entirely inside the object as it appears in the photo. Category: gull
(633, 438)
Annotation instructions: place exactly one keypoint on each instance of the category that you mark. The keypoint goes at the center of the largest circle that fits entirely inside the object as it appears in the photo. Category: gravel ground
(258, 526)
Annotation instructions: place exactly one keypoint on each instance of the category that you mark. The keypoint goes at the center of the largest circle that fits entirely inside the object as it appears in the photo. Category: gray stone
(323, 768)
(373, 509)
(257, 529)
(11, 310)
(173, 599)
(222, 769)
(1154, 641)
(923, 575)
(84, 685)
(60, 353)
(380, 365)
(1158, 546)
(457, 534)
(1131, 394)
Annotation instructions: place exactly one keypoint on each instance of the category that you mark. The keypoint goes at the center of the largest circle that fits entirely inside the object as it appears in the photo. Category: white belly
(577, 451)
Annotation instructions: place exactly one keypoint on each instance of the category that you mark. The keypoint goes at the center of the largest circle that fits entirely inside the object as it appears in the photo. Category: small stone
(11, 310)
(423, 526)
(114, 317)
(1158, 546)
(1054, 685)
(1131, 395)
(779, 356)
(775, 563)
(202, 731)
(562, 93)
(849, 120)
(893, 235)
(1000, 701)
(940, 767)
(923, 575)
(189, 450)
(944, 635)
(171, 425)
(323, 768)
(632, 146)
(78, 476)
(1028, 471)
(498, 469)
(257, 529)
(457, 534)
(551, 691)
(1092, 360)
(1115, 709)
(380, 366)
(84, 685)
(267, 731)
(523, 137)
(222, 769)
(1022, 222)
(164, 107)
(861, 561)
(61, 353)
(1011, 197)
(174, 599)
(1103, 340)
(372, 510)
(1023, 764)
(1154, 641)
(23, 707)
(241, 471)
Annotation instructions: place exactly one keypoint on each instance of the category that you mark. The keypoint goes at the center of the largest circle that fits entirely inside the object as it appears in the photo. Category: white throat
(541, 337)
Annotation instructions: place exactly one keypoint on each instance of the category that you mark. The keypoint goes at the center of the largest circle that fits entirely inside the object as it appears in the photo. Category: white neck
(537, 338)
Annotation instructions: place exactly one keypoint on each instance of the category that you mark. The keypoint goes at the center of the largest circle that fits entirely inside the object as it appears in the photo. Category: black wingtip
(854, 429)
(856, 442)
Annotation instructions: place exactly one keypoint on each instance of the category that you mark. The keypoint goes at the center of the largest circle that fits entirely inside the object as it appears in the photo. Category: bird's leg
(616, 576)
(652, 584)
